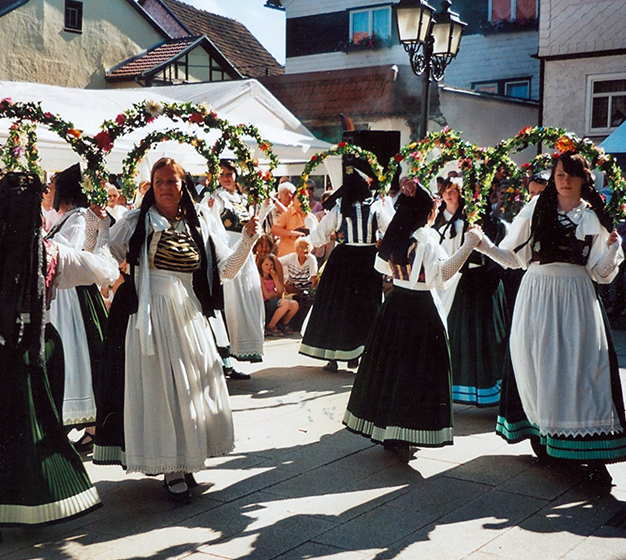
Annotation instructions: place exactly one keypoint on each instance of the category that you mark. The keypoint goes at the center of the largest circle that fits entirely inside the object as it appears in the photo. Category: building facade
(582, 48)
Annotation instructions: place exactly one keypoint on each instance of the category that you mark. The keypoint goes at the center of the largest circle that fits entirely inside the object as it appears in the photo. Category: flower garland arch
(340, 149)
(563, 141)
(20, 153)
(95, 174)
(142, 114)
(478, 165)
(130, 162)
(258, 185)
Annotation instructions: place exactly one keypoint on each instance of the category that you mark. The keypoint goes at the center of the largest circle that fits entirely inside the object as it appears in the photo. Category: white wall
(566, 90)
(35, 48)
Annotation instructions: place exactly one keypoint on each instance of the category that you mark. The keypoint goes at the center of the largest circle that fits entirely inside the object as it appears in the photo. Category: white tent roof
(239, 102)
(615, 143)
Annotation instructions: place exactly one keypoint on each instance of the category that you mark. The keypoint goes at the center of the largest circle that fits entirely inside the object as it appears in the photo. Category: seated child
(276, 307)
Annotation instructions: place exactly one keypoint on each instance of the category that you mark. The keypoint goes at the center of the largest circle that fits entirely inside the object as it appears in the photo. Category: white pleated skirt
(79, 404)
(245, 313)
(176, 405)
(559, 351)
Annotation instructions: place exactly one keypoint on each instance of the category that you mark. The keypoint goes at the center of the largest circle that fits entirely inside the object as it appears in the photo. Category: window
(512, 10)
(73, 16)
(519, 87)
(367, 24)
(607, 102)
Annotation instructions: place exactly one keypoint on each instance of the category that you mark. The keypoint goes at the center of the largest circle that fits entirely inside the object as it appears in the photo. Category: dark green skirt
(42, 478)
(478, 327)
(347, 299)
(402, 390)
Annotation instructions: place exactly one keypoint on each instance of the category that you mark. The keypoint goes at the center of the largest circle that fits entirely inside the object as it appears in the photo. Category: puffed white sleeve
(120, 234)
(329, 223)
(72, 234)
(81, 268)
(384, 213)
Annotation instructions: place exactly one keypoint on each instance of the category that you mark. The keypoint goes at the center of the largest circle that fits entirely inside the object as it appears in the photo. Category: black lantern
(430, 39)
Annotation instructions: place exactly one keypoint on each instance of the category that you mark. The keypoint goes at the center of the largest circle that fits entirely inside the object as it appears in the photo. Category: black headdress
(68, 188)
(22, 264)
(411, 214)
(355, 188)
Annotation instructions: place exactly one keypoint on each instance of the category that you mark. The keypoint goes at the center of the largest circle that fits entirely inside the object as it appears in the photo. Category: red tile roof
(148, 62)
(359, 92)
(232, 38)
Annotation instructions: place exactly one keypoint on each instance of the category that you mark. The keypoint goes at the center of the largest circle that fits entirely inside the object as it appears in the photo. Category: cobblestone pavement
(299, 486)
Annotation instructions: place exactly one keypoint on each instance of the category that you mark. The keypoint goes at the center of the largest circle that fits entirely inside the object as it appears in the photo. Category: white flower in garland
(154, 107)
(87, 184)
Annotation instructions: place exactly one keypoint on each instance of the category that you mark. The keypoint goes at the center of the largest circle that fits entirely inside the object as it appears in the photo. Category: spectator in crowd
(278, 309)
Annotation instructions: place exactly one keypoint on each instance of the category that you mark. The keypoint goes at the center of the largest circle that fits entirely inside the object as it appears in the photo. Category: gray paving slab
(299, 486)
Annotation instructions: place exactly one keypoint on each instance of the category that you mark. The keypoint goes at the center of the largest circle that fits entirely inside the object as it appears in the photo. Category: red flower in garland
(342, 144)
(120, 119)
(525, 131)
(6, 101)
(314, 157)
(526, 165)
(103, 139)
(197, 118)
(398, 158)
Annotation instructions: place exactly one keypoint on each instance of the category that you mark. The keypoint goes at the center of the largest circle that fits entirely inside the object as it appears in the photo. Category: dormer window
(73, 16)
(365, 25)
(512, 10)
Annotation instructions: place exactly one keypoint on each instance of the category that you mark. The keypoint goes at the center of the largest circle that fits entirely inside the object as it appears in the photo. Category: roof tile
(231, 37)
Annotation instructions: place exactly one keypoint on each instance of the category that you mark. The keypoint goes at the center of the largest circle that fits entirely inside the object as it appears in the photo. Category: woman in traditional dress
(565, 394)
(79, 314)
(243, 299)
(350, 289)
(478, 320)
(176, 410)
(42, 478)
(401, 394)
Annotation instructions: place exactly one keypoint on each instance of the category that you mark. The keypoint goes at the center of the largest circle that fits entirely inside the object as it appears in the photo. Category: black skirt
(478, 327)
(109, 386)
(402, 390)
(347, 299)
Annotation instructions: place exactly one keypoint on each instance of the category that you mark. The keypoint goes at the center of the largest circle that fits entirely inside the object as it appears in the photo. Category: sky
(266, 24)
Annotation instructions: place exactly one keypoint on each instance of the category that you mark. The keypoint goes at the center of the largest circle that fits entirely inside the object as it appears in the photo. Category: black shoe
(332, 366)
(403, 450)
(353, 364)
(232, 373)
(183, 497)
(190, 480)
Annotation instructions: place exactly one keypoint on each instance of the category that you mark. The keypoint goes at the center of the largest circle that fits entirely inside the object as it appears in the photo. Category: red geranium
(103, 139)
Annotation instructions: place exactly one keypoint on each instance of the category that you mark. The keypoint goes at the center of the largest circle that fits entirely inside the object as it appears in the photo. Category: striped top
(177, 252)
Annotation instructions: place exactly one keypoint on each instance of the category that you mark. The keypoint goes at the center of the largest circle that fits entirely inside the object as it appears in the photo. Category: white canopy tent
(239, 102)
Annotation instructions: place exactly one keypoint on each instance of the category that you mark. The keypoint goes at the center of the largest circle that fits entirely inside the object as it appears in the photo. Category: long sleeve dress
(176, 409)
(350, 289)
(566, 388)
(402, 390)
(79, 315)
(243, 299)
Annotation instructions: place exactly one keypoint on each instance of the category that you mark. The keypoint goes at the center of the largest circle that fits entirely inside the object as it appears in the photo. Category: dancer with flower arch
(565, 394)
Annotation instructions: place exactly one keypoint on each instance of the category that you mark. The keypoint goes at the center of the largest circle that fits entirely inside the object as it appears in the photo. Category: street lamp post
(431, 40)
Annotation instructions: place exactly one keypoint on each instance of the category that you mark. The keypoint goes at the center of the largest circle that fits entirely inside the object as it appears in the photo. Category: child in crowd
(276, 307)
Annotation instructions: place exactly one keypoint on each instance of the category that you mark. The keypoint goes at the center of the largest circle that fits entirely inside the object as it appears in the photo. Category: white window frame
(509, 83)
(591, 79)
(370, 20)
(513, 10)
